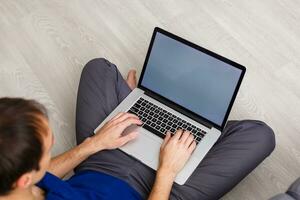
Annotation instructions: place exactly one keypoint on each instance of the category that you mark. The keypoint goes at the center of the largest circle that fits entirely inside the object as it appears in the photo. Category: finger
(118, 115)
(124, 139)
(128, 121)
(166, 139)
(192, 147)
(125, 116)
(178, 134)
(189, 140)
(184, 136)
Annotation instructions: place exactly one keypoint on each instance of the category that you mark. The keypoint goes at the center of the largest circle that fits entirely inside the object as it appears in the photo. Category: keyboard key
(133, 109)
(136, 105)
(189, 128)
(199, 134)
(130, 111)
(172, 130)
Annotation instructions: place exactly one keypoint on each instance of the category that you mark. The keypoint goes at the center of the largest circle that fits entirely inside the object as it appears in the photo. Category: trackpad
(145, 147)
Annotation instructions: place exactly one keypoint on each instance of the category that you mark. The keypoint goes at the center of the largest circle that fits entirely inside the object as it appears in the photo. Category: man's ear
(24, 181)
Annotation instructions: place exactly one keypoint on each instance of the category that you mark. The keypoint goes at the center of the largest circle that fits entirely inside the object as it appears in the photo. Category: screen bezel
(178, 107)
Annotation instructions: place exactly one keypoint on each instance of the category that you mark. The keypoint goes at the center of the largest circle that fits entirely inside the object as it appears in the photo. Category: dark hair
(21, 144)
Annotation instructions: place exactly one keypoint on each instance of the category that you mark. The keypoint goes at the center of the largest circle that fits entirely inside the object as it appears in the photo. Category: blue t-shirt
(87, 185)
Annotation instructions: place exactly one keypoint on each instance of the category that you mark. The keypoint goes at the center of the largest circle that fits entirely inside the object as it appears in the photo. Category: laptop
(182, 86)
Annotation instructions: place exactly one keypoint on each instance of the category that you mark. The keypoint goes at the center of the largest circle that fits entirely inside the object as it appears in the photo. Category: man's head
(25, 143)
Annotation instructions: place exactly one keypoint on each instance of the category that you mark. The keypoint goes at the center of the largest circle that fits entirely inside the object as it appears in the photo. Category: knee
(96, 65)
(265, 136)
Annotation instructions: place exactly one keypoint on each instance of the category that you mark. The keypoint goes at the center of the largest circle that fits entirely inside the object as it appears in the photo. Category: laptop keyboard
(159, 121)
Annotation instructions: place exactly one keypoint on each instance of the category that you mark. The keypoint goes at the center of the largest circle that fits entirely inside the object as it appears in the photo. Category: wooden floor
(45, 44)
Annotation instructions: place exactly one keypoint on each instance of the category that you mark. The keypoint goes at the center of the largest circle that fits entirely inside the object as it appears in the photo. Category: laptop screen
(196, 81)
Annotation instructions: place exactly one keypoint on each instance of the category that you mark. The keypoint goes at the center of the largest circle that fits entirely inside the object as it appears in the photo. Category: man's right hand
(175, 152)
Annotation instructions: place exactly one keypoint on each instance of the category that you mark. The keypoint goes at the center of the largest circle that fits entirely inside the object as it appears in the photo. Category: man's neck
(32, 193)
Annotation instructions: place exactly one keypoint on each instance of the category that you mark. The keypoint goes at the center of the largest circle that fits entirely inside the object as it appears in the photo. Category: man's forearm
(162, 185)
(64, 163)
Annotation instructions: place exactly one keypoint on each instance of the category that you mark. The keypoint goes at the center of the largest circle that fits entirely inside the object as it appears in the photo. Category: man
(101, 170)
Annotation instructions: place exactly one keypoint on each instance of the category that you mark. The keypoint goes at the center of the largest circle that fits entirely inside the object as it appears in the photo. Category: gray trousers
(241, 147)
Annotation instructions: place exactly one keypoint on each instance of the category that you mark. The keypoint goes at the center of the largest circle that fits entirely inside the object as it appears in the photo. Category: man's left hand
(110, 135)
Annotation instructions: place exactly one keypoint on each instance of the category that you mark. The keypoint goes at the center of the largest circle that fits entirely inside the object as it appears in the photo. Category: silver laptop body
(190, 74)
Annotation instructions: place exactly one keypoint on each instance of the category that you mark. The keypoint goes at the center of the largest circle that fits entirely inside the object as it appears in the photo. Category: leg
(100, 90)
(242, 146)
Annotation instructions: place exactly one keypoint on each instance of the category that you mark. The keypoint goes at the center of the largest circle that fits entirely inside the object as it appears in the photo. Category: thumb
(124, 139)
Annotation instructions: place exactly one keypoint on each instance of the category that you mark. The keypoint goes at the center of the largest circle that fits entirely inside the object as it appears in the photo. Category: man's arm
(174, 153)
(162, 186)
(108, 137)
(64, 163)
